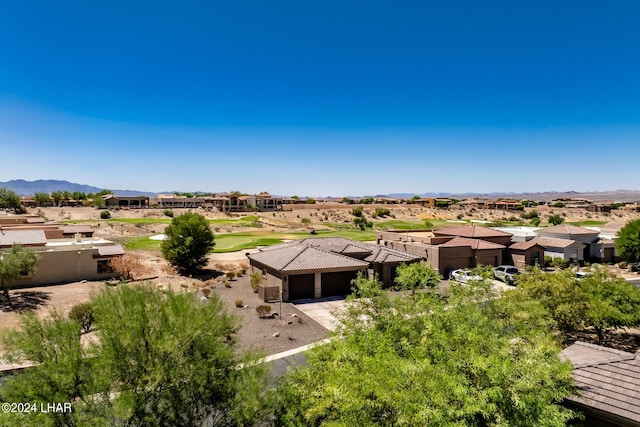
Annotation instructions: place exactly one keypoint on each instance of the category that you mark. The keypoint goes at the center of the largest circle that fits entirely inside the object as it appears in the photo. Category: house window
(104, 266)
(534, 258)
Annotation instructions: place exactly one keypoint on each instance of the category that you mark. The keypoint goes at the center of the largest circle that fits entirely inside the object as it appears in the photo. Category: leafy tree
(189, 240)
(42, 199)
(161, 358)
(411, 361)
(418, 275)
(628, 241)
(599, 301)
(19, 262)
(9, 199)
(78, 195)
(310, 201)
(613, 302)
(83, 314)
(556, 219)
(57, 197)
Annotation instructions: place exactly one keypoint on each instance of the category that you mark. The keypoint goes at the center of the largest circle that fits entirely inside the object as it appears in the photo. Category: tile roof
(301, 257)
(382, 254)
(523, 246)
(555, 243)
(471, 231)
(474, 243)
(566, 229)
(339, 245)
(608, 380)
(9, 237)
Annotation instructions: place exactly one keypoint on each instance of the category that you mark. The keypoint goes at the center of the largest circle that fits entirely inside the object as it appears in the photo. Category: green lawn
(232, 242)
(588, 223)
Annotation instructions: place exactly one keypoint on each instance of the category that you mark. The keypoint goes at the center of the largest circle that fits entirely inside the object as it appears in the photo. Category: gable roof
(382, 254)
(565, 229)
(476, 244)
(523, 246)
(9, 237)
(340, 245)
(301, 257)
(608, 380)
(471, 231)
(548, 242)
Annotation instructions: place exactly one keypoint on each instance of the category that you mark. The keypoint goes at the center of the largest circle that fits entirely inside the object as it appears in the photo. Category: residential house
(131, 202)
(62, 260)
(321, 267)
(593, 248)
(450, 248)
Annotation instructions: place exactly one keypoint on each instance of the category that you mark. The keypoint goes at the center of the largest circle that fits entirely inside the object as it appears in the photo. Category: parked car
(583, 274)
(506, 273)
(464, 276)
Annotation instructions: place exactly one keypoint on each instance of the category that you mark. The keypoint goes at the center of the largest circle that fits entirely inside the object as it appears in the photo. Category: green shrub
(239, 303)
(105, 215)
(560, 263)
(231, 275)
(168, 212)
(357, 212)
(305, 221)
(83, 314)
(382, 212)
(535, 221)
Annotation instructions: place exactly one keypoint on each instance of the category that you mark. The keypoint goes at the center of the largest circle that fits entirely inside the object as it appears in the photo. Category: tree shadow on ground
(207, 274)
(22, 301)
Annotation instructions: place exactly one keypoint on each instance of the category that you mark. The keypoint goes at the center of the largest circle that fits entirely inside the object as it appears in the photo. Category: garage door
(301, 286)
(338, 283)
(487, 260)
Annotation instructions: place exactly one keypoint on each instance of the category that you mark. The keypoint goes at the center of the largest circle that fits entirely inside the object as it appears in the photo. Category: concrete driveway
(321, 310)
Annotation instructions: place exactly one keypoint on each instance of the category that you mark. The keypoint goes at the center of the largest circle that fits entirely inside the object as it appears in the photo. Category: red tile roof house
(451, 248)
(608, 384)
(321, 267)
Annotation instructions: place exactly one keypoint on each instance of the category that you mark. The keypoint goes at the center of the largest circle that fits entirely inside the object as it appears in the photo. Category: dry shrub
(239, 303)
(206, 292)
(129, 266)
(263, 310)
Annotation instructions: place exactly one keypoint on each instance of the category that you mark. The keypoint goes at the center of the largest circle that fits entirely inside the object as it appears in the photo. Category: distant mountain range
(28, 188)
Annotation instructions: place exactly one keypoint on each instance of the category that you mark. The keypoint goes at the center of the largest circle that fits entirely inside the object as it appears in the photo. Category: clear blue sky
(322, 97)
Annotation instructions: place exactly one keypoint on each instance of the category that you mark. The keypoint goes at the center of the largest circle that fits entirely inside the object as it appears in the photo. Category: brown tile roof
(523, 246)
(301, 258)
(474, 243)
(608, 380)
(566, 229)
(382, 254)
(338, 245)
(471, 231)
(9, 237)
(548, 242)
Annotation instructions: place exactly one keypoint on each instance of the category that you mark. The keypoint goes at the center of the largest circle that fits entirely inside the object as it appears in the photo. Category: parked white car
(464, 276)
(506, 273)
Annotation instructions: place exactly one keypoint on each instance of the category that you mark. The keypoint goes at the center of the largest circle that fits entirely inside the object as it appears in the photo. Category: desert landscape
(286, 330)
